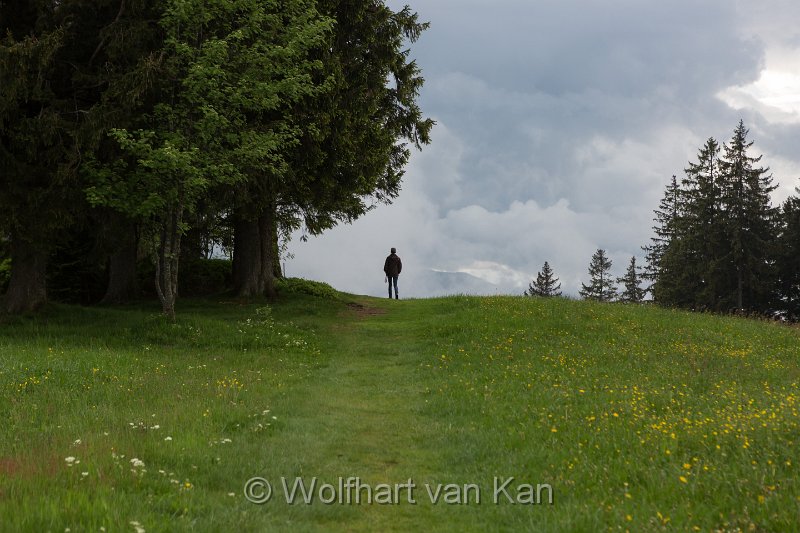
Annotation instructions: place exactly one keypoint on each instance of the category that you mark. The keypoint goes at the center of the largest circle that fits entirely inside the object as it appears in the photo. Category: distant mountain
(439, 283)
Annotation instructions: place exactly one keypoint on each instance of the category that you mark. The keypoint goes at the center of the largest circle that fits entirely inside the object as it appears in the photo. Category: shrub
(306, 286)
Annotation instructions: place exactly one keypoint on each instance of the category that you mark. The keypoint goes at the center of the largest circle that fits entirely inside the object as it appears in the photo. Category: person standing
(392, 267)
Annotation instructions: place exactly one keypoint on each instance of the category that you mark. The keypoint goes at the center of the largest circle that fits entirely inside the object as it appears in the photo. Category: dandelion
(683, 479)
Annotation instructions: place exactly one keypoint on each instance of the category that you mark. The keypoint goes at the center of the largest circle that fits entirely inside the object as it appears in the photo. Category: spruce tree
(56, 59)
(749, 227)
(701, 231)
(545, 284)
(787, 265)
(601, 284)
(656, 273)
(633, 291)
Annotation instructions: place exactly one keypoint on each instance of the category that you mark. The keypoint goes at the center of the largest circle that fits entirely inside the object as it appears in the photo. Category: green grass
(637, 418)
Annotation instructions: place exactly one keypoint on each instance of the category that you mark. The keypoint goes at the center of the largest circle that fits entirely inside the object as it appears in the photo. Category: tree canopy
(146, 117)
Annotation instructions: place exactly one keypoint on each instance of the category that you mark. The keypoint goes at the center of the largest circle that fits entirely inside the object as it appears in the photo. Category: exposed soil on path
(364, 310)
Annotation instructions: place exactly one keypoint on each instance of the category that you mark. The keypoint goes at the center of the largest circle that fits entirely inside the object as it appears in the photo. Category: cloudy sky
(559, 123)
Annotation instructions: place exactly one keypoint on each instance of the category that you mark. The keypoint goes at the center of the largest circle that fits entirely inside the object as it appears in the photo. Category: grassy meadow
(630, 417)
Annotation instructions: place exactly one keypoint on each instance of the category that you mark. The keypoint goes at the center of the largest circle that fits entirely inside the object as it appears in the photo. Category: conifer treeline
(719, 244)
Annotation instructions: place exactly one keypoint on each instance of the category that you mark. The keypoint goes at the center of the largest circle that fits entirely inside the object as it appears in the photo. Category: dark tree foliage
(354, 141)
(632, 285)
(690, 258)
(788, 258)
(133, 124)
(545, 285)
(657, 272)
(714, 247)
(747, 270)
(601, 285)
(53, 59)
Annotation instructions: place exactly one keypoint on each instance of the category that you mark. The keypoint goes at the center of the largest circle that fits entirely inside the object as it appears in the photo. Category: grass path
(358, 417)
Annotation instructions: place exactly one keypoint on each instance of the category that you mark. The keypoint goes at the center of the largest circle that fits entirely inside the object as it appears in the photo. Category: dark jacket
(393, 265)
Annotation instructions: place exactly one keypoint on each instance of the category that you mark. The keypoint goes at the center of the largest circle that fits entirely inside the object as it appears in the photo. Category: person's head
(394, 250)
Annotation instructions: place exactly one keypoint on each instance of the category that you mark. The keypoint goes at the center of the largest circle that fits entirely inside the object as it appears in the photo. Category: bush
(306, 286)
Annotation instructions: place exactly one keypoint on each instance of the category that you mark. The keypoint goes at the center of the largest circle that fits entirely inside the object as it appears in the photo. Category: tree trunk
(168, 261)
(246, 257)
(269, 230)
(254, 255)
(27, 289)
(276, 253)
(739, 290)
(122, 269)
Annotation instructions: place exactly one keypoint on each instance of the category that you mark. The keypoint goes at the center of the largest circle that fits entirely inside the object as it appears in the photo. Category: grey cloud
(559, 124)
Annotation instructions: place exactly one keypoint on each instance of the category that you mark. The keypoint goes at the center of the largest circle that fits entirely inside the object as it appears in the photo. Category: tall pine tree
(657, 274)
(714, 243)
(788, 258)
(701, 231)
(746, 272)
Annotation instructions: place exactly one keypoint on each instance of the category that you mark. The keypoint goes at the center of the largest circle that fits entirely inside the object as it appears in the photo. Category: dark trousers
(393, 280)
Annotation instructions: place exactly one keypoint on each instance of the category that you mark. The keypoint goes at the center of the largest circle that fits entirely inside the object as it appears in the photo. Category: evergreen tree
(54, 59)
(715, 233)
(633, 292)
(747, 264)
(545, 284)
(601, 284)
(788, 258)
(701, 232)
(665, 229)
